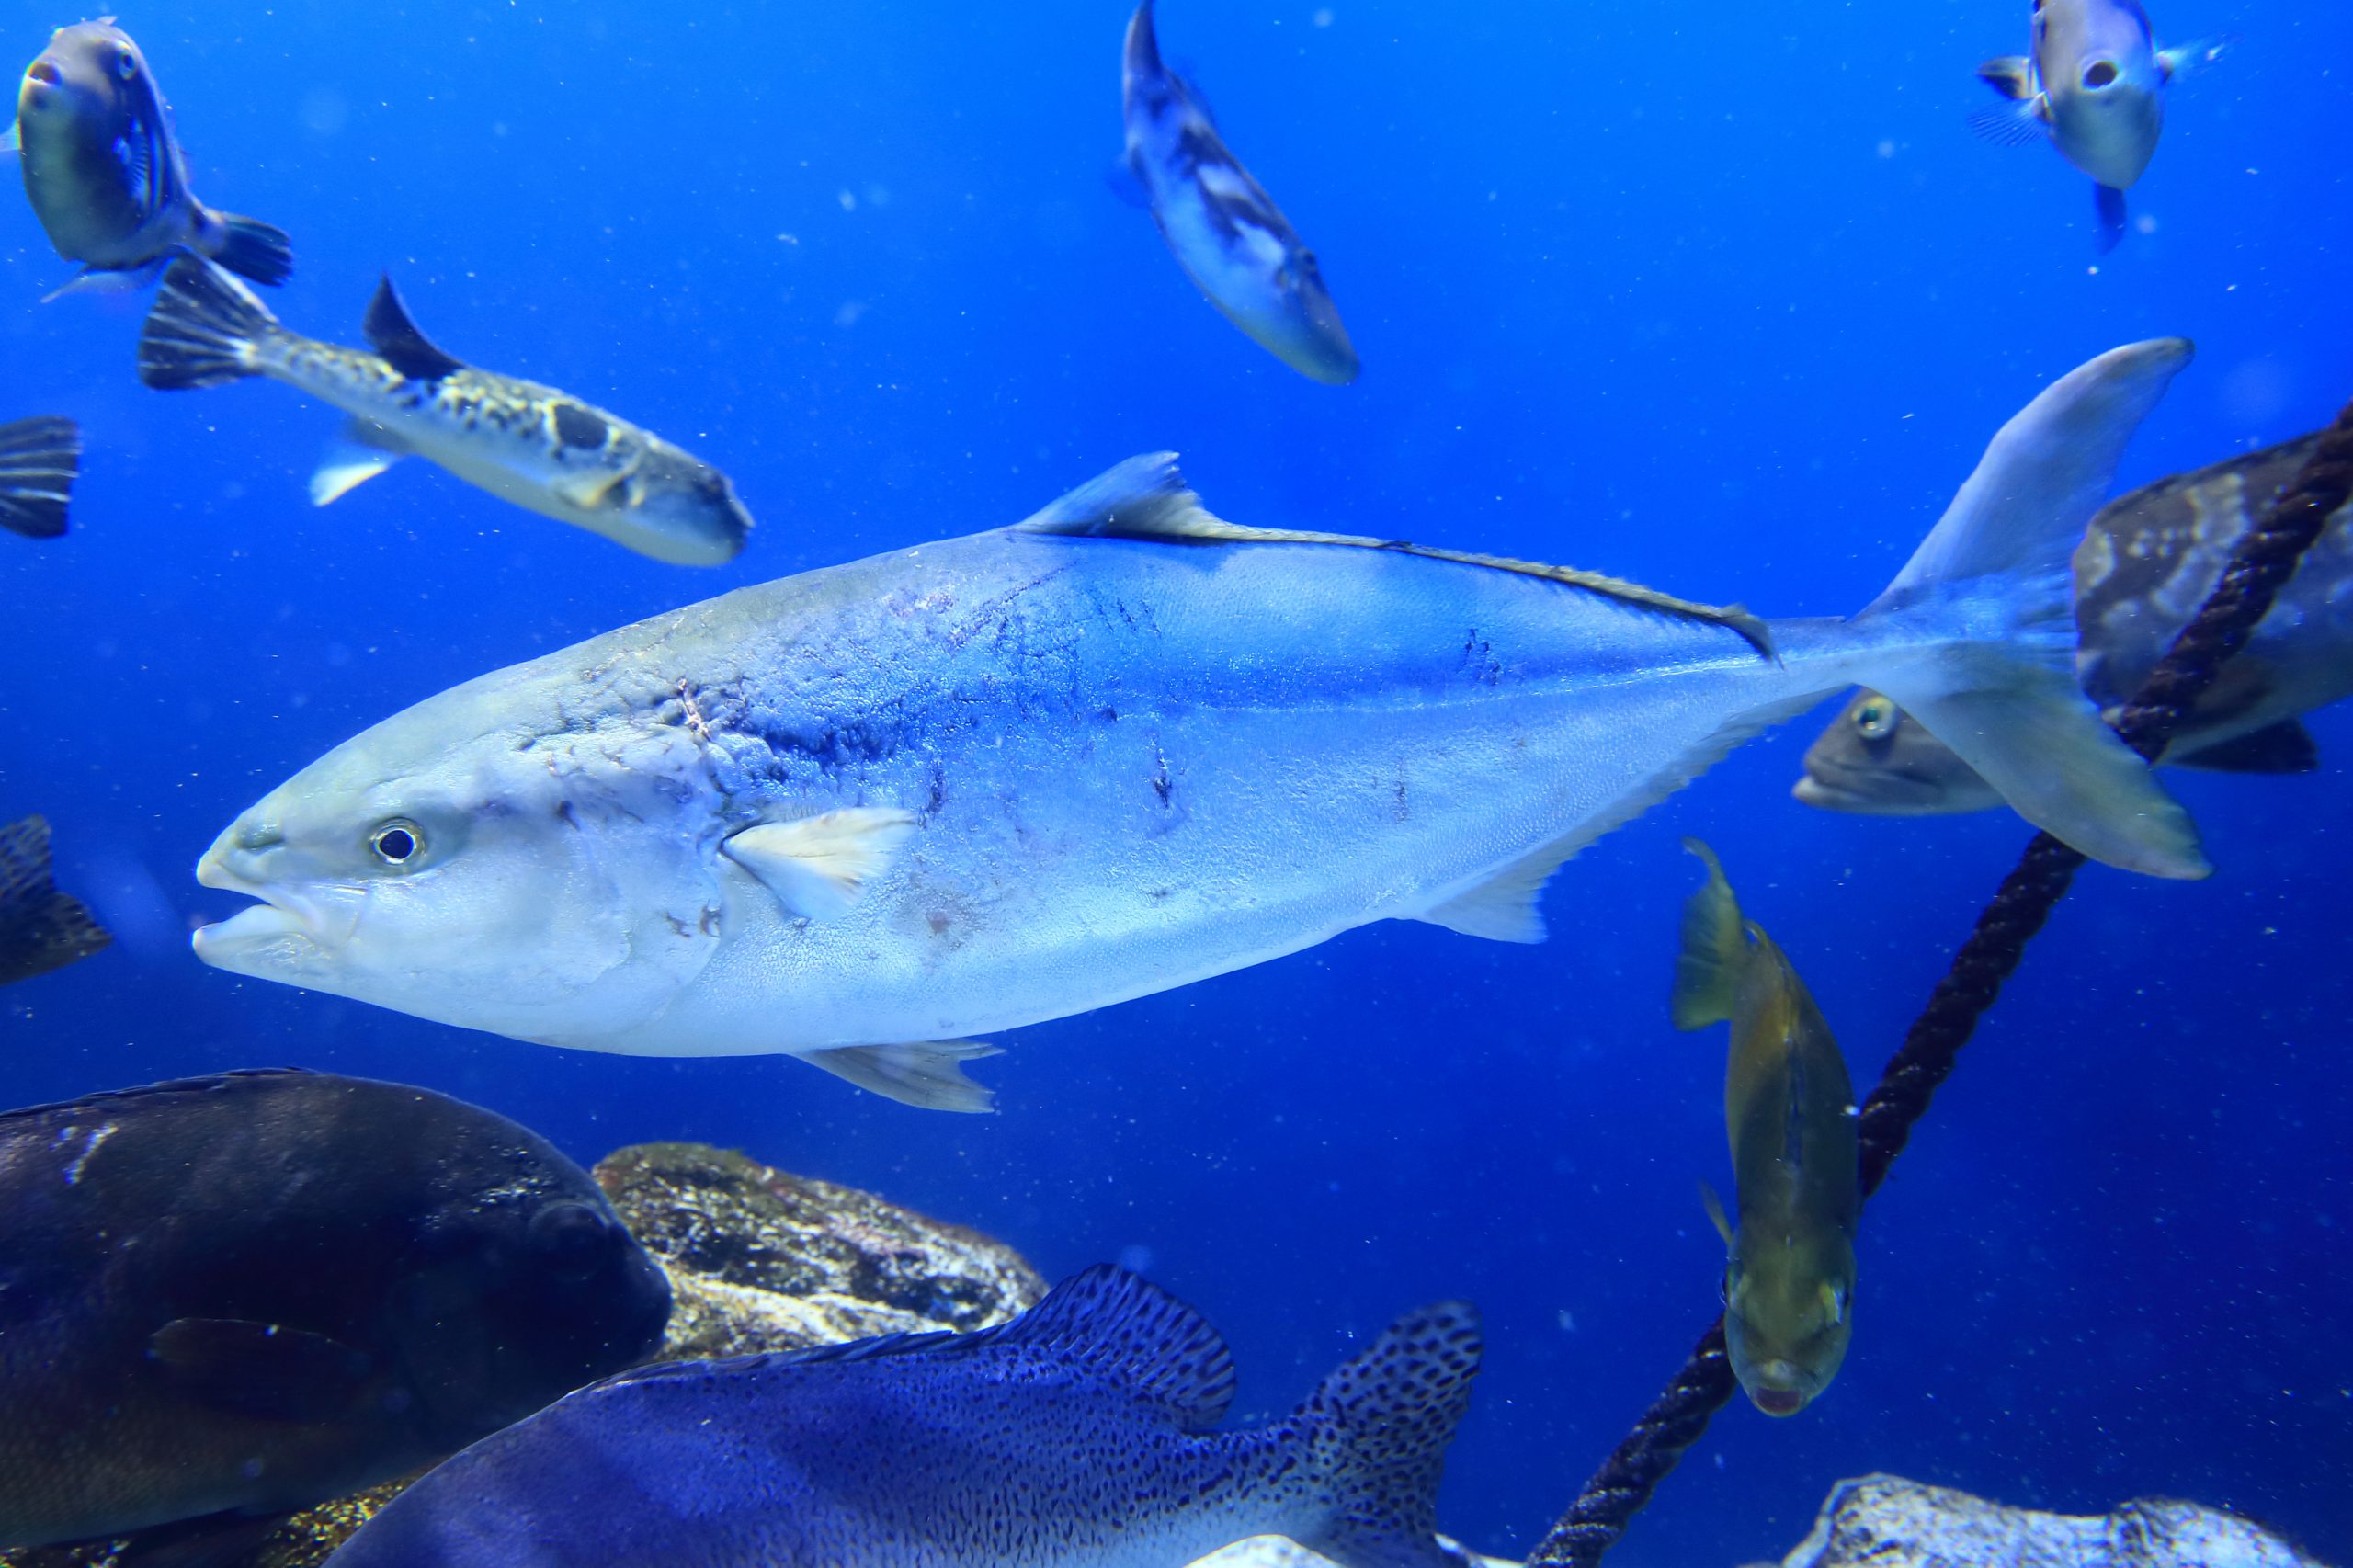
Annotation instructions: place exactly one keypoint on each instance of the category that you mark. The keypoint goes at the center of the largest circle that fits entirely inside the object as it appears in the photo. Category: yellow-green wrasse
(1789, 1284)
(532, 445)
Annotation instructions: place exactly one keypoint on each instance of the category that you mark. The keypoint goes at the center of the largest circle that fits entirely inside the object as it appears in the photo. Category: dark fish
(1083, 1432)
(1790, 1281)
(41, 928)
(2146, 563)
(106, 177)
(227, 1298)
(38, 459)
(539, 448)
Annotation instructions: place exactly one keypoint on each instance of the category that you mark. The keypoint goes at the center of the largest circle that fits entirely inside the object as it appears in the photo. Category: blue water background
(1719, 296)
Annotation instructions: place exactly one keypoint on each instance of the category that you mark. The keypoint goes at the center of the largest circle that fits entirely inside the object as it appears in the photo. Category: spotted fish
(1084, 1432)
(106, 175)
(41, 928)
(1225, 229)
(540, 448)
(2147, 563)
(39, 460)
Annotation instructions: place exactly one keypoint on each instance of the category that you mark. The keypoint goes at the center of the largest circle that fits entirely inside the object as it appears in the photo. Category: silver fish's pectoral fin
(927, 1074)
(363, 450)
(1146, 498)
(817, 866)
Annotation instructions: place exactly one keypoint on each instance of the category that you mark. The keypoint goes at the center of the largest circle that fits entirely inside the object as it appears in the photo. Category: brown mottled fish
(2147, 565)
(41, 928)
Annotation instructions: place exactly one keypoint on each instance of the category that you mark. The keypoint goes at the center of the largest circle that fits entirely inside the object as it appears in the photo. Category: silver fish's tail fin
(1382, 1422)
(203, 331)
(249, 247)
(1715, 946)
(1977, 633)
(38, 459)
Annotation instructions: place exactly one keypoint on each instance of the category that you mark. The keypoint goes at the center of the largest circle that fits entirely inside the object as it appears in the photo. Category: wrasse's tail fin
(1385, 1420)
(252, 248)
(38, 459)
(1715, 945)
(1993, 671)
(203, 330)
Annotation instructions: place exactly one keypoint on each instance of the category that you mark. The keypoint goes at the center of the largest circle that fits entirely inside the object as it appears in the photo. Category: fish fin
(363, 450)
(394, 334)
(1146, 498)
(1124, 1325)
(252, 248)
(1715, 1207)
(48, 929)
(108, 282)
(261, 1370)
(2012, 75)
(1996, 681)
(2010, 125)
(2185, 59)
(203, 329)
(2284, 747)
(927, 1074)
(1140, 55)
(1505, 907)
(39, 460)
(591, 490)
(9, 140)
(1714, 949)
(1123, 182)
(818, 866)
(228, 1540)
(2108, 204)
(1385, 1419)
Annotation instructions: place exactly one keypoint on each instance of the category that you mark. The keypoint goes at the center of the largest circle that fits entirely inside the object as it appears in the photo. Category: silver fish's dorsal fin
(1145, 498)
(395, 336)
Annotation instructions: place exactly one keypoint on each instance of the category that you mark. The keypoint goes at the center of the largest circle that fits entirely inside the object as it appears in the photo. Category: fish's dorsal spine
(1145, 498)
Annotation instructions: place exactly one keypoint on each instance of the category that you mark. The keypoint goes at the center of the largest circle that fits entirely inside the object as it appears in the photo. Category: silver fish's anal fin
(818, 866)
(1385, 1420)
(1715, 1207)
(204, 330)
(1131, 1330)
(39, 460)
(1145, 498)
(1713, 951)
(359, 454)
(2012, 75)
(1506, 906)
(927, 1074)
(1982, 644)
(2284, 747)
(392, 334)
(2010, 125)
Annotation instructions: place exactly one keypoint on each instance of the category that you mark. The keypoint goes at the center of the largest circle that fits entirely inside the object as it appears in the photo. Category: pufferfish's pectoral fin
(266, 1370)
(927, 1074)
(817, 866)
(590, 491)
(359, 454)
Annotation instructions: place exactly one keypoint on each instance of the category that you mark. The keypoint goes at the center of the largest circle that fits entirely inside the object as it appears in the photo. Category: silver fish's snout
(291, 919)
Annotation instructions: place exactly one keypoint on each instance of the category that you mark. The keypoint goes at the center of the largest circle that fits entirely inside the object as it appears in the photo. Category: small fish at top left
(106, 175)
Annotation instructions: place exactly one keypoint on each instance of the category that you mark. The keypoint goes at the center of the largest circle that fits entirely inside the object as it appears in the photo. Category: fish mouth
(1783, 1402)
(1885, 792)
(289, 928)
(42, 71)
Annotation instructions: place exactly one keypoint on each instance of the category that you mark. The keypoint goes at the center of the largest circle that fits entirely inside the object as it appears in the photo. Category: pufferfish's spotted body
(532, 445)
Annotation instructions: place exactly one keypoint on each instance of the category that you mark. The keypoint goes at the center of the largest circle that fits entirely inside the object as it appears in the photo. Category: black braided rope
(2264, 561)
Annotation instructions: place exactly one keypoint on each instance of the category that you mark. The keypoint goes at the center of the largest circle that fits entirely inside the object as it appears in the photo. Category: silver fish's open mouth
(289, 929)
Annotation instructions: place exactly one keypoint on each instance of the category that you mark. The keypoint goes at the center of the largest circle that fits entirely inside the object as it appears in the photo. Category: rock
(1885, 1521)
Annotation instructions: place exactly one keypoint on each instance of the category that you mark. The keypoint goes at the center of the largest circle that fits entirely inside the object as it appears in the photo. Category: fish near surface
(1790, 1282)
(1222, 227)
(2147, 563)
(2094, 80)
(540, 448)
(864, 813)
(41, 928)
(1083, 1432)
(38, 461)
(227, 1298)
(106, 177)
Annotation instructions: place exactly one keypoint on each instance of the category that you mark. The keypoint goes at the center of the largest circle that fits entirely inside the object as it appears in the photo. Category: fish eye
(126, 64)
(569, 1237)
(1876, 720)
(2099, 74)
(398, 842)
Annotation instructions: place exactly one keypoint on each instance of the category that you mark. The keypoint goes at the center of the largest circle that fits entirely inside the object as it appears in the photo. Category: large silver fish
(542, 450)
(105, 175)
(1084, 1434)
(39, 460)
(2094, 82)
(1119, 747)
(1226, 231)
(2147, 563)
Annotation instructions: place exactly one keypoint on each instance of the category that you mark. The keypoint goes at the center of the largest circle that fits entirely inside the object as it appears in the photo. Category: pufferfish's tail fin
(203, 331)
(1976, 636)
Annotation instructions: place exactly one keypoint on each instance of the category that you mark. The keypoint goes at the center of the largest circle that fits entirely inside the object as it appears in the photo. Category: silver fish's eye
(1876, 720)
(126, 64)
(398, 842)
(2099, 74)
